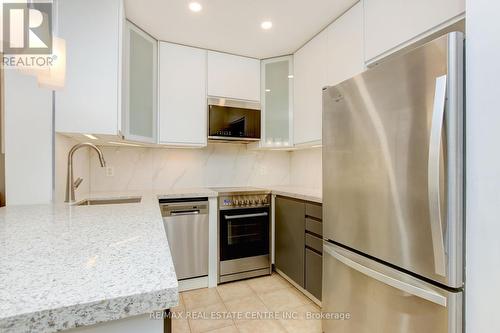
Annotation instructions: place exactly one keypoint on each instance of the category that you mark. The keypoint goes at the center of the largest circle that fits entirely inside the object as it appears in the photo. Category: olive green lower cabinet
(298, 243)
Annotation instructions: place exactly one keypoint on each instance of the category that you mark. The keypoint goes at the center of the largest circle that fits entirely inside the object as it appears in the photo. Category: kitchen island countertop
(66, 266)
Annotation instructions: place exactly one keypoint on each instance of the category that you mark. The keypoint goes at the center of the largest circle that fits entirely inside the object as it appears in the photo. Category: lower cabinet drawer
(314, 242)
(314, 269)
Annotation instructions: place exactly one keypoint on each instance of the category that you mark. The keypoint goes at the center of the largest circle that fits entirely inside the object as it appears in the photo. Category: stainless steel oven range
(244, 233)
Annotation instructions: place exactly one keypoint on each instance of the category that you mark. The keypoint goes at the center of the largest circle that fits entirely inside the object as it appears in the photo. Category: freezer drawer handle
(243, 216)
(434, 176)
(429, 295)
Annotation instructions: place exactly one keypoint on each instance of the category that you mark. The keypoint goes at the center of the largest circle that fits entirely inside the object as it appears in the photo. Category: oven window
(244, 233)
(241, 233)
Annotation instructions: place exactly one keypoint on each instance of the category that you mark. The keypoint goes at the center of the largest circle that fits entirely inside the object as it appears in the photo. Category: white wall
(28, 140)
(162, 169)
(81, 165)
(483, 166)
(305, 168)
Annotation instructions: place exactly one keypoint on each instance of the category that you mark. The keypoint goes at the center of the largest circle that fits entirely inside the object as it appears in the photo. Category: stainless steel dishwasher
(186, 225)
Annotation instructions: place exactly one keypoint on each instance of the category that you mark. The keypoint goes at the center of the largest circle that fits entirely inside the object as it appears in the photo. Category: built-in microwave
(233, 120)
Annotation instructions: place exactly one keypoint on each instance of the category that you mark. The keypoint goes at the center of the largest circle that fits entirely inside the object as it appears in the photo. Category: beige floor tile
(200, 298)
(283, 299)
(234, 290)
(268, 283)
(302, 323)
(228, 329)
(246, 307)
(260, 326)
(207, 323)
(180, 307)
(180, 326)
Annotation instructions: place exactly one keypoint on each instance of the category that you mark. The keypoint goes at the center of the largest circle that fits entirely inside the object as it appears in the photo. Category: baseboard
(302, 290)
(195, 283)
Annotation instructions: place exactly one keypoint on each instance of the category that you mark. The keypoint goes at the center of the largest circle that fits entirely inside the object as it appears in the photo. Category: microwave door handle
(418, 291)
(433, 173)
(244, 216)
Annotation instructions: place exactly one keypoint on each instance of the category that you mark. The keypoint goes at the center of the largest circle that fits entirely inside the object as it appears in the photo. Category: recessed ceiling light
(195, 7)
(290, 76)
(266, 25)
(268, 90)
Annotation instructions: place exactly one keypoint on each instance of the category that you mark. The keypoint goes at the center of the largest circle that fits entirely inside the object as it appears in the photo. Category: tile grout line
(225, 307)
(185, 310)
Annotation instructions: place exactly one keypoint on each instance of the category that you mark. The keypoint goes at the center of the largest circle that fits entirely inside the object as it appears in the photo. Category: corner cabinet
(140, 84)
(299, 243)
(277, 102)
(182, 95)
(290, 238)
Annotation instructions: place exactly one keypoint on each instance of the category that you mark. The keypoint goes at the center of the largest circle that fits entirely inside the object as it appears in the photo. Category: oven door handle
(244, 216)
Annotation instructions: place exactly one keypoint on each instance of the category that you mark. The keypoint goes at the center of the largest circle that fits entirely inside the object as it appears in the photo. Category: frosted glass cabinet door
(140, 83)
(277, 101)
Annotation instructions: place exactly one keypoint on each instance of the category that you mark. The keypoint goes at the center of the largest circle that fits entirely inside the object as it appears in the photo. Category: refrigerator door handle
(434, 176)
(418, 291)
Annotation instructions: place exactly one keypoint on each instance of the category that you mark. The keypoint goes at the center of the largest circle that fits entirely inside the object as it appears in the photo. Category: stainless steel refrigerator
(393, 148)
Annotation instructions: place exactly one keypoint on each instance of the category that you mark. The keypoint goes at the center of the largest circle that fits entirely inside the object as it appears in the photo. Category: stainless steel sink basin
(108, 201)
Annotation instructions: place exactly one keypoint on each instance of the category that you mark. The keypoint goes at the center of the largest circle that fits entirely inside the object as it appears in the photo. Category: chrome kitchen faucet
(71, 184)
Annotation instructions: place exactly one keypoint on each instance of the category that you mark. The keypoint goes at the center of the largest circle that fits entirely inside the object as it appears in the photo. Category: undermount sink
(108, 201)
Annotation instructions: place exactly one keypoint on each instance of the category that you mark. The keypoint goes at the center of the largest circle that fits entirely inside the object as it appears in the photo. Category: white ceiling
(234, 25)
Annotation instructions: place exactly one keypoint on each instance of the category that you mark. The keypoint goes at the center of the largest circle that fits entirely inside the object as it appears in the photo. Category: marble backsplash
(161, 168)
(306, 169)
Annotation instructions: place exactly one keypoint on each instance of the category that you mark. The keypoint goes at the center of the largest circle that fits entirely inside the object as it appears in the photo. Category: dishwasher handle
(184, 212)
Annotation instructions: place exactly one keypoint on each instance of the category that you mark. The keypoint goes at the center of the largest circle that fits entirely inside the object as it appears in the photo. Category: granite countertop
(66, 266)
(298, 192)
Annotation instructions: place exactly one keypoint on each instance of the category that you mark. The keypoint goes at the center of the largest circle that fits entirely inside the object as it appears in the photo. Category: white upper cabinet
(335, 55)
(183, 95)
(345, 57)
(392, 24)
(140, 83)
(90, 100)
(310, 76)
(277, 102)
(233, 76)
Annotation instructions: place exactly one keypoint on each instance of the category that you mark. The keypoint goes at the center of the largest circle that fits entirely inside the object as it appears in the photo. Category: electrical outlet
(110, 172)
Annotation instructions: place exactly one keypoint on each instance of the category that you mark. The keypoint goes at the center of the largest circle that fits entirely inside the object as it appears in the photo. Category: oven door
(244, 233)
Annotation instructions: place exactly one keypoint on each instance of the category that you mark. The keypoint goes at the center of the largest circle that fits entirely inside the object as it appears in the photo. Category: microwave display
(232, 122)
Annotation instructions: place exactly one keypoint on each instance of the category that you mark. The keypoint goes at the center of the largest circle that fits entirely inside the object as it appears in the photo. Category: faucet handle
(77, 182)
